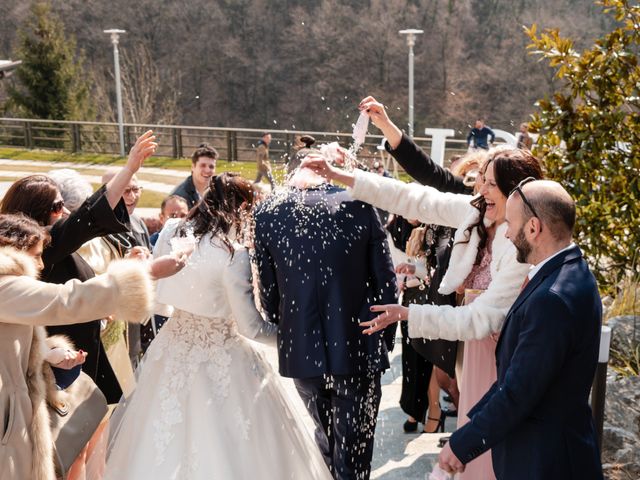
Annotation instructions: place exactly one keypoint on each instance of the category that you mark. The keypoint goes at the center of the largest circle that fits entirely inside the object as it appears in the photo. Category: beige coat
(26, 305)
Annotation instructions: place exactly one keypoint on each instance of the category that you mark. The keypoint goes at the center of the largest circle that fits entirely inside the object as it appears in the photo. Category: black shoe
(410, 427)
(443, 441)
(440, 425)
(450, 412)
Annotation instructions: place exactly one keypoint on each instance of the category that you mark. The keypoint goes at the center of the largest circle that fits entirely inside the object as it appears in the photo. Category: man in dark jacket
(536, 417)
(203, 167)
(479, 136)
(323, 261)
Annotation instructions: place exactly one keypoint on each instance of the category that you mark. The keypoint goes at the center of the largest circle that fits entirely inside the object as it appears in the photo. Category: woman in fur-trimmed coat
(26, 304)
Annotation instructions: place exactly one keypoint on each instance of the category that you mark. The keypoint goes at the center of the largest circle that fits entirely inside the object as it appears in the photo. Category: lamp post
(115, 35)
(411, 41)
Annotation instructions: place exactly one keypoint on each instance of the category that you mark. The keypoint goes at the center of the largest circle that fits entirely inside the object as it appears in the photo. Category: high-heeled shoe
(410, 427)
(440, 425)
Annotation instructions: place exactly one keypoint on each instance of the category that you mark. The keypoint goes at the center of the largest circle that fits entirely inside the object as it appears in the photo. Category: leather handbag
(75, 415)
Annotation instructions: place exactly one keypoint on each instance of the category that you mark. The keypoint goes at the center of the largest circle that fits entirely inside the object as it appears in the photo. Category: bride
(207, 404)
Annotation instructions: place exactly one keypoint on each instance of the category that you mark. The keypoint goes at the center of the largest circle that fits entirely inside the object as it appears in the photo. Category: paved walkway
(396, 455)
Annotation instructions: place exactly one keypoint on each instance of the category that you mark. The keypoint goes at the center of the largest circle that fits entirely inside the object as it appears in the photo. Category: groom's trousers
(344, 409)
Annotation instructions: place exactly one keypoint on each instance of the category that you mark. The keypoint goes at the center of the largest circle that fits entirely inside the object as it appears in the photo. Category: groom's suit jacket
(323, 260)
(536, 417)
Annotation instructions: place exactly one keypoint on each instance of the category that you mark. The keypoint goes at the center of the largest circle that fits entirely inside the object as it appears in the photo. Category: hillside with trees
(295, 64)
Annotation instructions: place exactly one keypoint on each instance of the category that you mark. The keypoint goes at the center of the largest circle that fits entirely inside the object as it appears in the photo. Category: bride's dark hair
(223, 207)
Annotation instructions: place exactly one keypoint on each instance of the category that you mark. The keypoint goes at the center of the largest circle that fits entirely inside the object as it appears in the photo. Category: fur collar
(465, 251)
(17, 263)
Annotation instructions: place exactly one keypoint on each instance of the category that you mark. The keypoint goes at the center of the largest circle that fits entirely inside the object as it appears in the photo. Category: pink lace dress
(478, 373)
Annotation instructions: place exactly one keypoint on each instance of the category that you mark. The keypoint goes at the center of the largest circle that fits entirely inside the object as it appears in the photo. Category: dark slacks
(416, 370)
(416, 373)
(344, 409)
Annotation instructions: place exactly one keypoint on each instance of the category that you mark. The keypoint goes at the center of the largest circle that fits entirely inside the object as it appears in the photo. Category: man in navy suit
(323, 260)
(536, 417)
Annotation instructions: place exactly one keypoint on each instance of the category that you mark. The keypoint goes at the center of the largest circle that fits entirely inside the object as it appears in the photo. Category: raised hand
(390, 314)
(144, 147)
(376, 111)
(320, 165)
(378, 115)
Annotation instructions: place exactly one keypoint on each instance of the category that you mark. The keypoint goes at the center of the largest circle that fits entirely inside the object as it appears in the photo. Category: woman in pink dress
(482, 257)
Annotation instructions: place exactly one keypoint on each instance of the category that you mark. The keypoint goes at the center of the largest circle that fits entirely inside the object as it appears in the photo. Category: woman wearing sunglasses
(483, 264)
(103, 213)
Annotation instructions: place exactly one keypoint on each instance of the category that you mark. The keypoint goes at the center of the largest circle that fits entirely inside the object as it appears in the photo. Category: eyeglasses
(56, 207)
(518, 189)
(130, 190)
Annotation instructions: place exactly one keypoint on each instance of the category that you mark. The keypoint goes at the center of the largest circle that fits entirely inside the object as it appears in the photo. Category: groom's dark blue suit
(323, 260)
(536, 417)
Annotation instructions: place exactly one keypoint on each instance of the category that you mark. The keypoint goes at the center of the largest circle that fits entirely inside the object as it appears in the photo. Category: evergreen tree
(51, 81)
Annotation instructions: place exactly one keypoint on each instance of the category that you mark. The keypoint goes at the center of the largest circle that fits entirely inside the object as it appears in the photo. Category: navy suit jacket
(536, 418)
(323, 260)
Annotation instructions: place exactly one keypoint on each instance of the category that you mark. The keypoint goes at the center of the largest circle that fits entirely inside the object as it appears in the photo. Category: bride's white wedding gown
(207, 404)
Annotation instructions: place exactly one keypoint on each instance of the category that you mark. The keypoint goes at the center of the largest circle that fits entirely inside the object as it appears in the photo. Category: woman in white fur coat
(482, 257)
(26, 305)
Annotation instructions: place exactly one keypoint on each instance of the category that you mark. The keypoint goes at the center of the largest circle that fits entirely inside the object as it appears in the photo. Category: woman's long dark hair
(33, 195)
(222, 208)
(21, 232)
(510, 167)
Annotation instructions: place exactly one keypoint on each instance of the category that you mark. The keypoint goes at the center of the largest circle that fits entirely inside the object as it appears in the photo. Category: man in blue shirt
(478, 136)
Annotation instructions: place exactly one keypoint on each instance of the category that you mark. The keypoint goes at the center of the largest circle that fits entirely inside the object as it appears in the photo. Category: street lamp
(115, 35)
(411, 41)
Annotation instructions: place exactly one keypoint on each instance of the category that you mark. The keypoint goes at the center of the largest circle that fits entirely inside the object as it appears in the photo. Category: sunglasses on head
(56, 207)
(518, 189)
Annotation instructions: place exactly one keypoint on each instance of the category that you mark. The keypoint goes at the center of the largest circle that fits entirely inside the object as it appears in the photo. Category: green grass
(247, 169)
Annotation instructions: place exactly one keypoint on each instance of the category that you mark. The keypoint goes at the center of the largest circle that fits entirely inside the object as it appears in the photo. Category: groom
(323, 260)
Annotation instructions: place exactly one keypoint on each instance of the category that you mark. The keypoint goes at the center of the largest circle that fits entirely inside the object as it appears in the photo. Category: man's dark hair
(204, 150)
(555, 211)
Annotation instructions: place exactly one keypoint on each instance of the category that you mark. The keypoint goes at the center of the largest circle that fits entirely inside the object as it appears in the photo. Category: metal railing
(178, 141)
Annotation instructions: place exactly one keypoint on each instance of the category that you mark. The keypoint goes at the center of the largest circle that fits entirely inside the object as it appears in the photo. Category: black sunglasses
(518, 189)
(56, 207)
